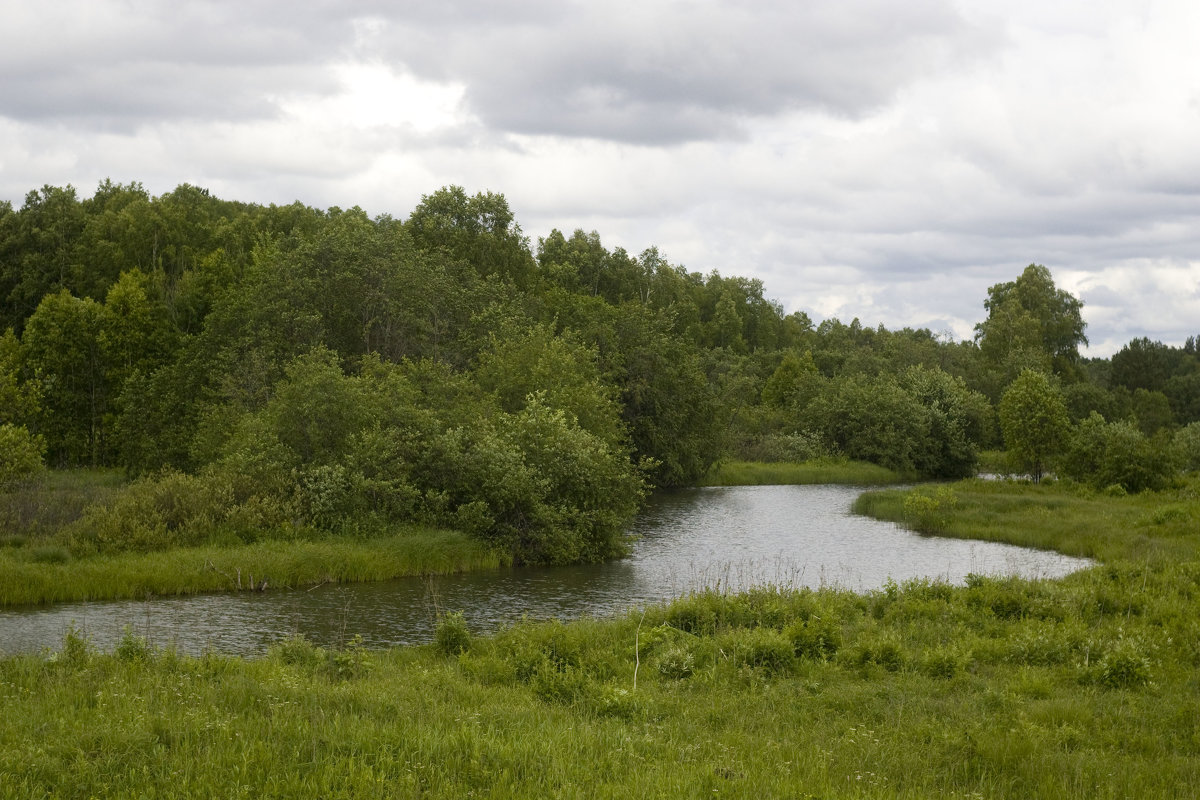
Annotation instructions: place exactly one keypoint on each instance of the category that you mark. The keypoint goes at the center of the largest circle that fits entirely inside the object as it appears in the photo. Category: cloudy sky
(864, 158)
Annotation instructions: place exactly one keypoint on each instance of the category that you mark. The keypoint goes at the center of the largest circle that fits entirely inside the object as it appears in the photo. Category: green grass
(27, 576)
(1083, 687)
(41, 561)
(758, 473)
(1152, 527)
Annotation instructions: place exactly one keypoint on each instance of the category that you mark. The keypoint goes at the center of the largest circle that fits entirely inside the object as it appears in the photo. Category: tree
(62, 349)
(1143, 364)
(871, 418)
(1034, 421)
(479, 230)
(1031, 321)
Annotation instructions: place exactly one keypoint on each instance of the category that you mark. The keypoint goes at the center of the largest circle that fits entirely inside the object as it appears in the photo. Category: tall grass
(27, 577)
(1080, 688)
(1152, 527)
(39, 508)
(757, 473)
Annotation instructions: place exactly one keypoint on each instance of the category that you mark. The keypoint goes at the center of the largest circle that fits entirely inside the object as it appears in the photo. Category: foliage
(1033, 419)
(1031, 319)
(452, 637)
(1187, 445)
(1104, 454)
(322, 372)
(21, 454)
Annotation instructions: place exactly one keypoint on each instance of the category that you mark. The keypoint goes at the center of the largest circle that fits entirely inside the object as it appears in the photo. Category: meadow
(1085, 686)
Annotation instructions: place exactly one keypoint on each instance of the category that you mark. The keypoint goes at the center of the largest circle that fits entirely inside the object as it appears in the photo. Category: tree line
(291, 371)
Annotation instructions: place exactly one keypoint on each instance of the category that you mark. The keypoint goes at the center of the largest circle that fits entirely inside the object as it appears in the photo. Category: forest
(291, 373)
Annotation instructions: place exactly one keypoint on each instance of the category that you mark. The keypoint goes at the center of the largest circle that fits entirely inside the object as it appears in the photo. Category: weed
(452, 636)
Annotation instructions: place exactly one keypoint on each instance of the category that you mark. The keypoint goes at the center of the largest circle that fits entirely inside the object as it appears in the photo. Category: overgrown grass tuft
(759, 473)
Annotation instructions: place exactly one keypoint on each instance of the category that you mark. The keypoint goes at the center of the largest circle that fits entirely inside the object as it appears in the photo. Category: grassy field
(1085, 687)
(759, 473)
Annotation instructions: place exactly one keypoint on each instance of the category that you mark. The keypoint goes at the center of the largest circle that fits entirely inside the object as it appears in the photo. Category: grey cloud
(660, 72)
(121, 65)
(650, 72)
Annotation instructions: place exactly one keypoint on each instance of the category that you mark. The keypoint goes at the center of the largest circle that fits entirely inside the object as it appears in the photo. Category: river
(728, 538)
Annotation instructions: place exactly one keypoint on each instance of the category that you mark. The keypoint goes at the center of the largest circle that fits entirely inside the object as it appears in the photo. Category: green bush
(759, 648)
(1126, 666)
(882, 650)
(21, 454)
(677, 662)
(452, 636)
(1187, 446)
(928, 512)
(943, 662)
(1106, 455)
(815, 638)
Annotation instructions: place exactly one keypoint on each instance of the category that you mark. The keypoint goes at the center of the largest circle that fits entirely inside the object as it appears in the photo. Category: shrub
(132, 648)
(1187, 445)
(677, 662)
(297, 651)
(942, 662)
(452, 636)
(761, 648)
(1116, 455)
(1125, 666)
(815, 638)
(21, 454)
(882, 651)
(927, 512)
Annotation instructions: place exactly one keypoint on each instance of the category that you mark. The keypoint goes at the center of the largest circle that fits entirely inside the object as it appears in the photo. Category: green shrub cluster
(1117, 454)
(332, 452)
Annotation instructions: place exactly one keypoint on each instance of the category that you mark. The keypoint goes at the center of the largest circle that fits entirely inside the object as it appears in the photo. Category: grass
(38, 509)
(1002, 689)
(40, 561)
(1150, 528)
(1083, 687)
(27, 577)
(758, 473)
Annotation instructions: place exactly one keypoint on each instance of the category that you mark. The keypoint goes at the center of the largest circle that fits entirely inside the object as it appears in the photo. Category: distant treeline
(280, 370)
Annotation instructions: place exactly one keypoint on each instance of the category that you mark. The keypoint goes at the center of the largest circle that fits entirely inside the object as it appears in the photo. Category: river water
(728, 538)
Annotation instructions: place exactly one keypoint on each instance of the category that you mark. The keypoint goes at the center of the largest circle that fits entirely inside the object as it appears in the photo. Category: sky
(863, 158)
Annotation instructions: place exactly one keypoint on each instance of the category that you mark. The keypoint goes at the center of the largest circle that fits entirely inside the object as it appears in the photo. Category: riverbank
(38, 575)
(1084, 687)
(761, 473)
(43, 561)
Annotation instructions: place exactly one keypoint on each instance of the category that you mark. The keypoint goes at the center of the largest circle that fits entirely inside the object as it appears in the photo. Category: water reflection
(730, 538)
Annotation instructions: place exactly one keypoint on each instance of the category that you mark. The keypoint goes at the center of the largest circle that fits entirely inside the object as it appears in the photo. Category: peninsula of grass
(49, 574)
(45, 556)
(761, 473)
(1151, 528)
